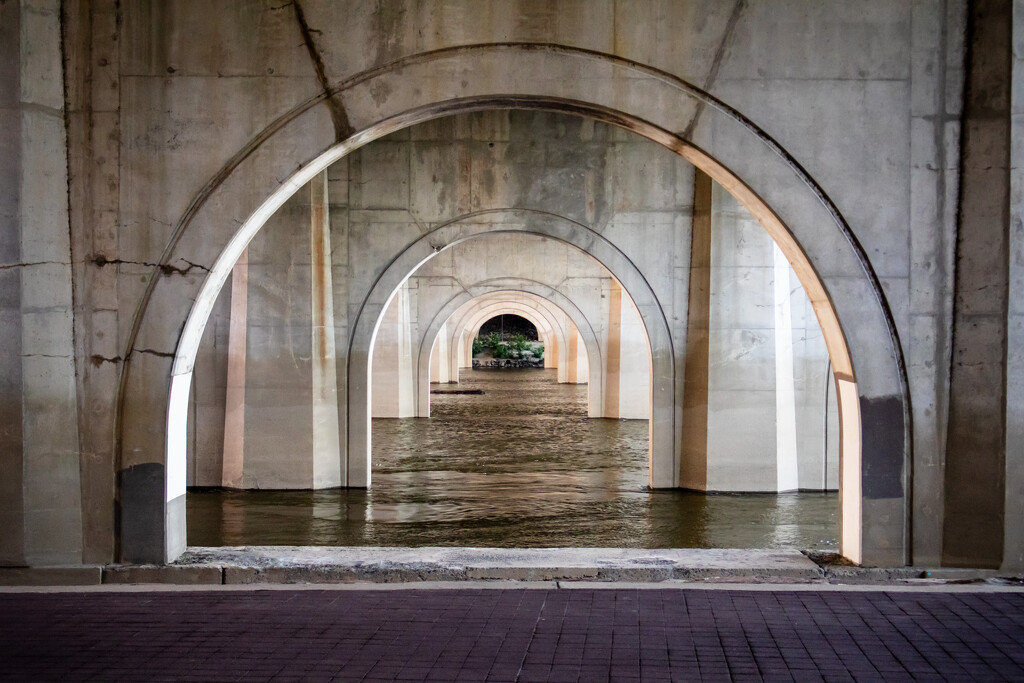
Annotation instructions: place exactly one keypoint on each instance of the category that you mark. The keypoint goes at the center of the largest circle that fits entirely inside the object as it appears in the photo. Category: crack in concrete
(165, 268)
(716, 63)
(342, 128)
(10, 266)
(154, 352)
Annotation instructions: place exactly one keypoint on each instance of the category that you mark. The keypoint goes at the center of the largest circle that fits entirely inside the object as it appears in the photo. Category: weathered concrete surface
(51, 576)
(42, 514)
(1013, 549)
(312, 565)
(973, 533)
(191, 575)
(12, 506)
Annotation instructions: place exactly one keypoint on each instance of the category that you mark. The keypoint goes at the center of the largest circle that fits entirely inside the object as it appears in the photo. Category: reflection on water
(519, 466)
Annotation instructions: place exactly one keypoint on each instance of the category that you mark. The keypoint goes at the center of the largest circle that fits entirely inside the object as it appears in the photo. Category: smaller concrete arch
(460, 330)
(558, 343)
(544, 314)
(466, 321)
(586, 330)
(545, 335)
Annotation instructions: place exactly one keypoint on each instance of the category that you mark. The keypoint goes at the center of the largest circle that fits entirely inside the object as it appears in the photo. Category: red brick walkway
(513, 634)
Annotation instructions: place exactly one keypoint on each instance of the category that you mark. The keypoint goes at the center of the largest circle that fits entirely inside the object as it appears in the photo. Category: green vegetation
(518, 346)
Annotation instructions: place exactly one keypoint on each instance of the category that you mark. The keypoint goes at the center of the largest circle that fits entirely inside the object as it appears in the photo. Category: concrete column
(1013, 549)
(92, 38)
(693, 472)
(233, 461)
(326, 446)
(562, 351)
(765, 360)
(936, 76)
(278, 358)
(573, 374)
(35, 144)
(613, 349)
(440, 358)
(435, 361)
(12, 514)
(627, 387)
(973, 533)
(392, 392)
(787, 469)
(466, 349)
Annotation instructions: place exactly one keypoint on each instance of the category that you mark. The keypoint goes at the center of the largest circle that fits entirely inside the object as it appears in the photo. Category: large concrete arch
(235, 202)
(506, 285)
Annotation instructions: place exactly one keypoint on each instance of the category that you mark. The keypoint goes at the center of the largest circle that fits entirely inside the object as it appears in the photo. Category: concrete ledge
(276, 564)
(152, 573)
(89, 575)
(270, 566)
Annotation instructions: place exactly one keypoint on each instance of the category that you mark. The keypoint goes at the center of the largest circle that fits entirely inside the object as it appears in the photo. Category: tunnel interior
(557, 454)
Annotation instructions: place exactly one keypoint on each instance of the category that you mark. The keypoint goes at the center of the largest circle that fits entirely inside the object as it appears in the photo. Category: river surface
(518, 466)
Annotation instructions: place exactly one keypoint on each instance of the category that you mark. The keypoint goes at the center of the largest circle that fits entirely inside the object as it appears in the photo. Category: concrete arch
(665, 422)
(544, 309)
(549, 330)
(533, 311)
(551, 338)
(224, 215)
(542, 291)
(456, 332)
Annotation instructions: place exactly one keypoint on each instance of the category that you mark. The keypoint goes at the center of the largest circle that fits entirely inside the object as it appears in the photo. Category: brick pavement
(512, 634)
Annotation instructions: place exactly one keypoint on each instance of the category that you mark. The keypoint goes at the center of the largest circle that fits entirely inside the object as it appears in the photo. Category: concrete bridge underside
(872, 143)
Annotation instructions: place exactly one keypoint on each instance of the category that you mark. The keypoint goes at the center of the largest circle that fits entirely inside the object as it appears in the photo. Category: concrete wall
(41, 494)
(183, 117)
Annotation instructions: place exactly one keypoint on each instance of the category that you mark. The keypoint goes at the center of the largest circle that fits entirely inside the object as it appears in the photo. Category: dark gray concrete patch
(883, 434)
(141, 512)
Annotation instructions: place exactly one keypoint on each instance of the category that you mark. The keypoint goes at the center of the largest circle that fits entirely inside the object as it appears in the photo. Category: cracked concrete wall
(164, 97)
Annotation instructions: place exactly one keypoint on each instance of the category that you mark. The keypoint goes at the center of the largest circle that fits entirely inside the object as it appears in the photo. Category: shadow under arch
(739, 155)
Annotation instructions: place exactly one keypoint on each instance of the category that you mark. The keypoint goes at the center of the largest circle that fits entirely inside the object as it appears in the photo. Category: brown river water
(518, 466)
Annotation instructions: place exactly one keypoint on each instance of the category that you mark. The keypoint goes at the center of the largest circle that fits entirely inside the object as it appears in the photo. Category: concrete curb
(562, 567)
